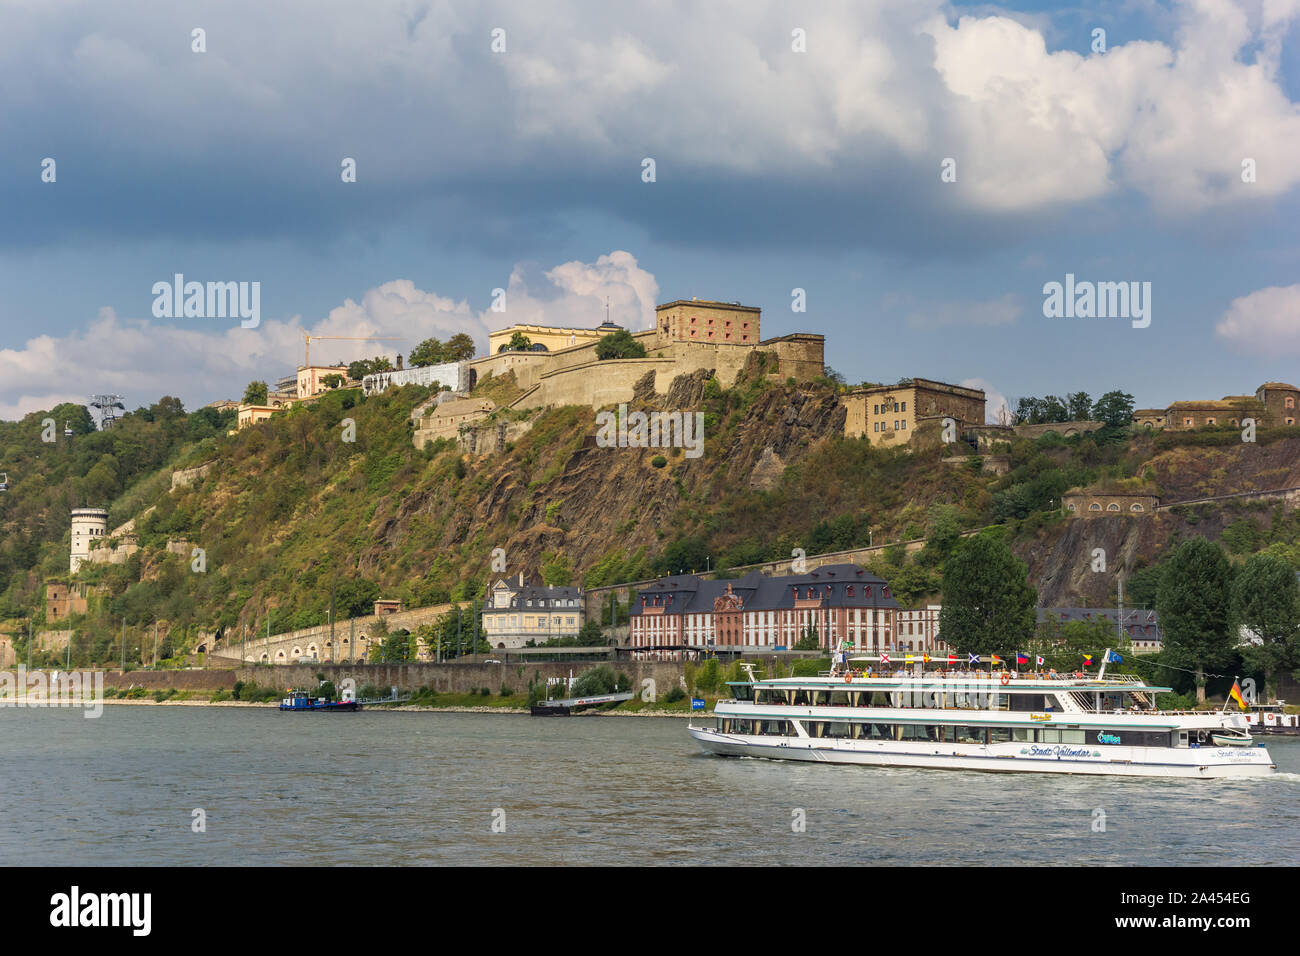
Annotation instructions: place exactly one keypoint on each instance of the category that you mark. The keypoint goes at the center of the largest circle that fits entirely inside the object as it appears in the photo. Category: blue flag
(697, 703)
(974, 658)
(1113, 658)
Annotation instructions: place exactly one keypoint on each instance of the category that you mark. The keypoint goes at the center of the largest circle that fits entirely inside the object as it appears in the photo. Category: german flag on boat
(1235, 694)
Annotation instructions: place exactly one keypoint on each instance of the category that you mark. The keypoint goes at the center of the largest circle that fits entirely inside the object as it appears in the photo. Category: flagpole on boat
(1224, 708)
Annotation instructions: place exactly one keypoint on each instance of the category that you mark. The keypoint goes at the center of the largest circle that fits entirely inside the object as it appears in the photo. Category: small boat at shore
(565, 707)
(301, 701)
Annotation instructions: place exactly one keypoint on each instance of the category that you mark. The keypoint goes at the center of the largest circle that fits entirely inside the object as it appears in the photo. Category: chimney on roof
(521, 579)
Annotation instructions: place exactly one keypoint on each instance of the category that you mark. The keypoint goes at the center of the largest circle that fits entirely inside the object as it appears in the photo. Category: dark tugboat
(298, 700)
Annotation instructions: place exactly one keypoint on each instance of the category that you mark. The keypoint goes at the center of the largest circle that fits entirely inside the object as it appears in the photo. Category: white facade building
(454, 375)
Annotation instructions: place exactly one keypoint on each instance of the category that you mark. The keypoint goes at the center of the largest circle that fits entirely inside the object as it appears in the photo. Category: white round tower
(88, 525)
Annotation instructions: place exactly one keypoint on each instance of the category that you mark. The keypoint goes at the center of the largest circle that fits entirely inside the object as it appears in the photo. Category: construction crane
(308, 339)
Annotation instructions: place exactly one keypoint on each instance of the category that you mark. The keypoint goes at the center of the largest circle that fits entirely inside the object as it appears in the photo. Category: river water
(427, 788)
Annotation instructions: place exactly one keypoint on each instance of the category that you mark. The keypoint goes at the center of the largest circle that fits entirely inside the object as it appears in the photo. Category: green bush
(675, 693)
(658, 461)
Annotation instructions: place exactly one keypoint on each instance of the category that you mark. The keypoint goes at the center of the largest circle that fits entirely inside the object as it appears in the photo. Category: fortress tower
(728, 323)
(88, 525)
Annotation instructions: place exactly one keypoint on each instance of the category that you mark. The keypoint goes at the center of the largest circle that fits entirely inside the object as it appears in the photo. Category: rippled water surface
(422, 788)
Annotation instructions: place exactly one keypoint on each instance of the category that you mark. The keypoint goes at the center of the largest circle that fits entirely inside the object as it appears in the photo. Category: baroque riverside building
(683, 614)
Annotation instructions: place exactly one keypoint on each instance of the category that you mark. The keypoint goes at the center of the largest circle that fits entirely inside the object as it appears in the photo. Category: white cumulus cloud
(144, 359)
(1265, 322)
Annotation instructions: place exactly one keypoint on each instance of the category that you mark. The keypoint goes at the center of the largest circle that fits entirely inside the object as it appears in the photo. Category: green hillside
(291, 512)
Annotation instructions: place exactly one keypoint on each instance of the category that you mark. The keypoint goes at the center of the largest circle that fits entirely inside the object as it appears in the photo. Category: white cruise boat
(973, 720)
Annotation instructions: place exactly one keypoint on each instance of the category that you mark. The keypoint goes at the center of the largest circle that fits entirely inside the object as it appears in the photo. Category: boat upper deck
(936, 680)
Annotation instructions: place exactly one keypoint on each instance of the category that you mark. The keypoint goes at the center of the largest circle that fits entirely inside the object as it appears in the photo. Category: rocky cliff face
(294, 511)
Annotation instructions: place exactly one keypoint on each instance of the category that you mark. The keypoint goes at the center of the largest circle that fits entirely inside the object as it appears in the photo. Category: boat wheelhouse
(980, 720)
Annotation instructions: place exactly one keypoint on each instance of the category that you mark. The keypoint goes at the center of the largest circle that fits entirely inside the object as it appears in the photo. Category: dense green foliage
(1266, 601)
(619, 345)
(362, 367)
(295, 519)
(1194, 601)
(988, 603)
(1115, 408)
(114, 468)
(458, 348)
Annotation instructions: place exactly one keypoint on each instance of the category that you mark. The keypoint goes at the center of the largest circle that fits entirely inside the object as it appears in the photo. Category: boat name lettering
(1059, 750)
(1107, 738)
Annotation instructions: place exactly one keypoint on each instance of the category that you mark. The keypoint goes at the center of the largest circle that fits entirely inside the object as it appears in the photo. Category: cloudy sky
(793, 145)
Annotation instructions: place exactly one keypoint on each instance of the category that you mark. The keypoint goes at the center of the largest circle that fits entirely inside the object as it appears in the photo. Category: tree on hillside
(362, 367)
(1054, 409)
(945, 532)
(459, 348)
(1194, 601)
(591, 635)
(255, 393)
(1080, 406)
(1266, 600)
(76, 417)
(618, 345)
(428, 352)
(520, 343)
(332, 380)
(683, 556)
(1115, 408)
(1041, 411)
(988, 603)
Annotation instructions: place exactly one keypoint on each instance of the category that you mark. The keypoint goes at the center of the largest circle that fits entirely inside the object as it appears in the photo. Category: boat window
(999, 735)
(1024, 734)
(839, 698)
(821, 698)
(1049, 735)
(1027, 702)
(838, 729)
(1073, 737)
(968, 735)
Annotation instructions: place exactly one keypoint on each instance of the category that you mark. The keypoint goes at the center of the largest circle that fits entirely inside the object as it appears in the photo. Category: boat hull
(346, 706)
(543, 710)
(1194, 763)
